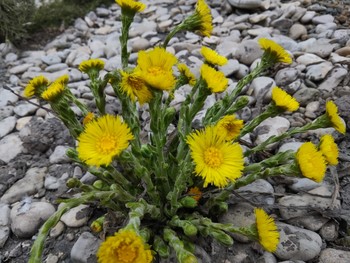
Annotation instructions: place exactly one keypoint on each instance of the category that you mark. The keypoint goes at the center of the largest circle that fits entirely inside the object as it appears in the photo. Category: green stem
(176, 30)
(127, 19)
(38, 246)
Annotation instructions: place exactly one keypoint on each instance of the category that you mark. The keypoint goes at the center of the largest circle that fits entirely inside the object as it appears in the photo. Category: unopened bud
(188, 202)
(190, 229)
(97, 225)
(73, 183)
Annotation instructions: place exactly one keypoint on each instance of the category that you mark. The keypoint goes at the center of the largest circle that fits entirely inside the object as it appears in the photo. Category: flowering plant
(170, 187)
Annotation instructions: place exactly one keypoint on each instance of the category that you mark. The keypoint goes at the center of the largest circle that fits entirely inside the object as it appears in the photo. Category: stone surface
(297, 243)
(11, 146)
(77, 216)
(27, 218)
(85, 248)
(331, 255)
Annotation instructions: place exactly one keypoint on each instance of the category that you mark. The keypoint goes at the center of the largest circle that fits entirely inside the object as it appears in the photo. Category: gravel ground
(34, 169)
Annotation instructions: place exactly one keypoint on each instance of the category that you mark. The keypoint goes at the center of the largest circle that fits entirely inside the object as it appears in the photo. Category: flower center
(106, 144)
(155, 71)
(126, 254)
(213, 157)
(135, 83)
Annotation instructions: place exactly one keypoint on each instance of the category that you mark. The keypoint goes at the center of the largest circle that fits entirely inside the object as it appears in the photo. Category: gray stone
(20, 68)
(139, 43)
(81, 25)
(56, 67)
(11, 57)
(25, 109)
(262, 86)
(313, 222)
(318, 72)
(304, 95)
(26, 218)
(4, 223)
(303, 184)
(32, 183)
(85, 248)
(248, 51)
(11, 146)
(57, 229)
(267, 257)
(286, 76)
(230, 68)
(259, 191)
(246, 4)
(77, 216)
(22, 122)
(320, 48)
(7, 97)
(297, 243)
(102, 12)
(240, 215)
(294, 146)
(309, 15)
(4, 234)
(333, 79)
(329, 231)
(323, 19)
(290, 203)
(331, 255)
(137, 29)
(6, 111)
(309, 59)
(270, 127)
(7, 125)
(51, 59)
(297, 30)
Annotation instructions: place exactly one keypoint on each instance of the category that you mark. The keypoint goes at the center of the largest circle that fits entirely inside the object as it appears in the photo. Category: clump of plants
(170, 189)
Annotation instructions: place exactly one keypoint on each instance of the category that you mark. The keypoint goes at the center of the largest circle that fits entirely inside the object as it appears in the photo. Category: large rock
(85, 248)
(247, 4)
(297, 243)
(11, 146)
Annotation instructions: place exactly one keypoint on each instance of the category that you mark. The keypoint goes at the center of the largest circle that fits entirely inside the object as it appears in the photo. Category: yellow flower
(131, 5)
(195, 193)
(204, 19)
(63, 80)
(91, 64)
(267, 230)
(36, 86)
(53, 91)
(230, 126)
(124, 247)
(329, 149)
(216, 160)
(103, 139)
(212, 57)
(311, 162)
(156, 66)
(185, 71)
(88, 117)
(134, 86)
(332, 113)
(274, 51)
(283, 100)
(215, 80)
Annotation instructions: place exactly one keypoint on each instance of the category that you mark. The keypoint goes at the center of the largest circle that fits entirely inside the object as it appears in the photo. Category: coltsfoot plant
(170, 189)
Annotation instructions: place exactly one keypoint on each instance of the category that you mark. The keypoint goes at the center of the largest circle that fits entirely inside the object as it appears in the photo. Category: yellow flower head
(283, 100)
(203, 21)
(185, 71)
(195, 193)
(212, 57)
(63, 80)
(91, 65)
(311, 162)
(135, 87)
(216, 160)
(216, 80)
(88, 117)
(274, 52)
(156, 66)
(131, 6)
(332, 113)
(230, 126)
(267, 230)
(54, 91)
(329, 149)
(103, 139)
(124, 247)
(36, 86)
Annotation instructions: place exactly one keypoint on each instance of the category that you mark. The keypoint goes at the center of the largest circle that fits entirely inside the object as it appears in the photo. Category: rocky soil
(34, 168)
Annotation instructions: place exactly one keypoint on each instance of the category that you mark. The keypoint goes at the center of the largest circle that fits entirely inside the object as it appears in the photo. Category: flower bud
(222, 237)
(97, 225)
(146, 151)
(161, 247)
(190, 229)
(73, 182)
(169, 115)
(188, 202)
(98, 184)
